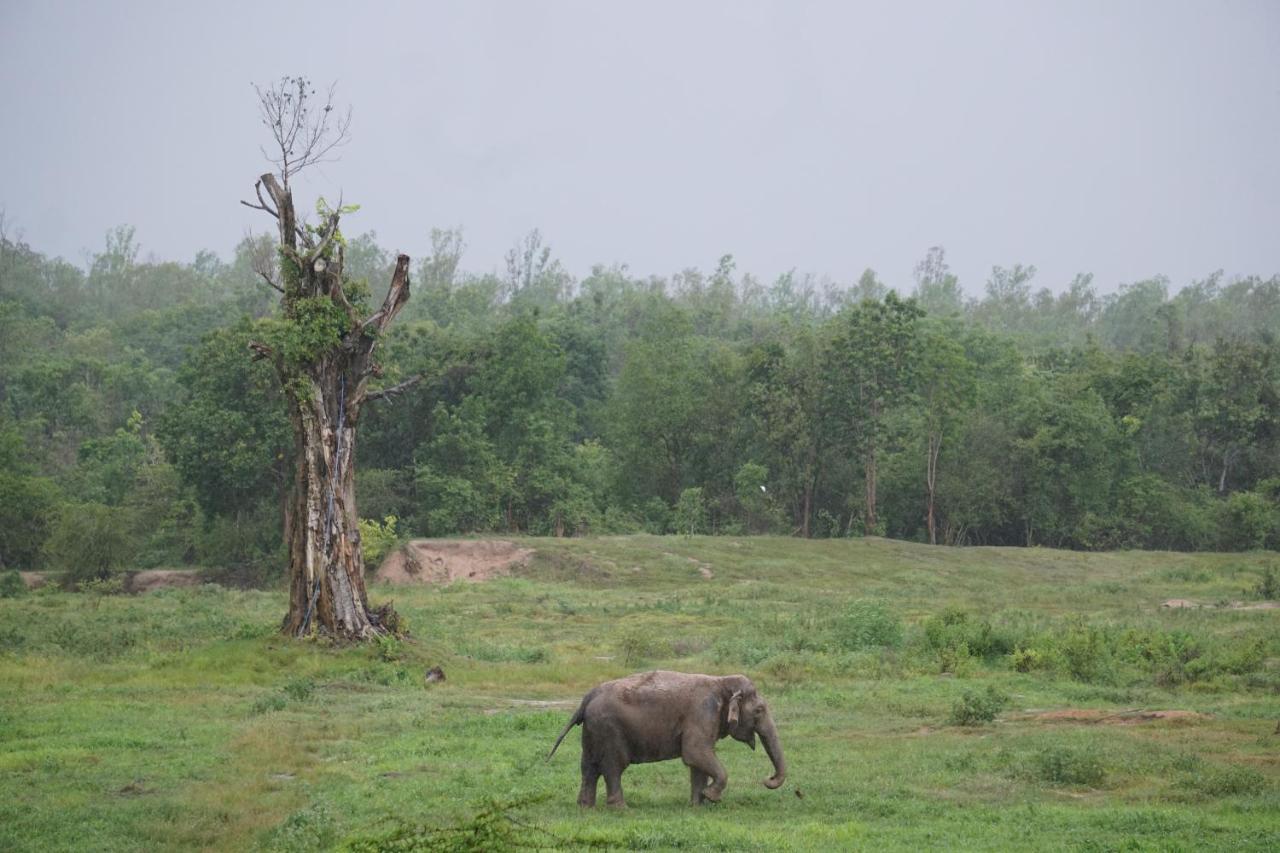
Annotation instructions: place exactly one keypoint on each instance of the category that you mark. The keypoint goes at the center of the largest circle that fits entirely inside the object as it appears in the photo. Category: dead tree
(323, 349)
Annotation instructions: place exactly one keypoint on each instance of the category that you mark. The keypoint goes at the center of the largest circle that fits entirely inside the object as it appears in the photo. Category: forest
(137, 431)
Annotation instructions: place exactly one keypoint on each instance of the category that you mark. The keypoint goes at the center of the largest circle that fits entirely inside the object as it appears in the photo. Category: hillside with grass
(976, 698)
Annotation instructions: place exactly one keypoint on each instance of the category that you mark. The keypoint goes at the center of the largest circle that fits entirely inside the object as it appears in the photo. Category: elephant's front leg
(703, 758)
(697, 781)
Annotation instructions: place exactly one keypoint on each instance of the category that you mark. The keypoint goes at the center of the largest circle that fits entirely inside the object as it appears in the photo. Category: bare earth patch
(33, 580)
(1119, 718)
(448, 560)
(1183, 603)
(160, 579)
(143, 581)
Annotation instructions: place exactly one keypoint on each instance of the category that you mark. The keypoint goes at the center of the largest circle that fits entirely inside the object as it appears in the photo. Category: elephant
(656, 716)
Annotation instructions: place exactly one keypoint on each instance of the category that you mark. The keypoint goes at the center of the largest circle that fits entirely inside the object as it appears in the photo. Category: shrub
(636, 644)
(299, 689)
(864, 624)
(389, 648)
(244, 549)
(11, 585)
(953, 628)
(1086, 653)
(977, 707)
(1268, 587)
(691, 512)
(1062, 765)
(99, 588)
(656, 516)
(1028, 660)
(89, 540)
(1245, 522)
(377, 540)
(1228, 782)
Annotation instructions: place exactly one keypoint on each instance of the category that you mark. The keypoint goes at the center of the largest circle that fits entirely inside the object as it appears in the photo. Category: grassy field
(179, 719)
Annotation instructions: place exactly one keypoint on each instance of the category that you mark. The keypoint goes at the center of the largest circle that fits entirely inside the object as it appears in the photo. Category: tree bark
(931, 484)
(871, 520)
(326, 388)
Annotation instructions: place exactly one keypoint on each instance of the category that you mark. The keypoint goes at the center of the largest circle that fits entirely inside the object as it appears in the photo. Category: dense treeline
(134, 426)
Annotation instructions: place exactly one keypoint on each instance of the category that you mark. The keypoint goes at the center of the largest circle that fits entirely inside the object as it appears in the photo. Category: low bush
(377, 539)
(299, 689)
(1268, 587)
(867, 624)
(954, 627)
(976, 707)
(1225, 781)
(11, 585)
(1066, 765)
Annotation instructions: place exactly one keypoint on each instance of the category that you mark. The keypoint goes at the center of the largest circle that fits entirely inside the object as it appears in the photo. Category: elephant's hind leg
(613, 783)
(590, 781)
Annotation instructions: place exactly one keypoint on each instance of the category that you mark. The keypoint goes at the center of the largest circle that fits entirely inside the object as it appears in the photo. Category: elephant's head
(747, 715)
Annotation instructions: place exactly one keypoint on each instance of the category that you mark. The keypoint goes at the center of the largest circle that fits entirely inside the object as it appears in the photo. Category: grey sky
(1122, 138)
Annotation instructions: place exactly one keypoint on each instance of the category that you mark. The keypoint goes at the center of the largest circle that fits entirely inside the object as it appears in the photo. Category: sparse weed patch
(1066, 765)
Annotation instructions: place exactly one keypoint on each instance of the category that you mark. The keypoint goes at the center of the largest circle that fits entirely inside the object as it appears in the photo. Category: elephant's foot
(711, 794)
(616, 804)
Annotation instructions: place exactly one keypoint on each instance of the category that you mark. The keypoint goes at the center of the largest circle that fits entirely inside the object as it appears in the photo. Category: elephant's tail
(576, 720)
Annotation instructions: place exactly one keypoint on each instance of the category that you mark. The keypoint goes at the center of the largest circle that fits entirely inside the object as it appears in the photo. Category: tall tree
(946, 387)
(322, 350)
(871, 367)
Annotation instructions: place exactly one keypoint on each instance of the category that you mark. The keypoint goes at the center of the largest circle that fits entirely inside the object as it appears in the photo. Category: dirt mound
(448, 560)
(1099, 715)
(33, 580)
(150, 579)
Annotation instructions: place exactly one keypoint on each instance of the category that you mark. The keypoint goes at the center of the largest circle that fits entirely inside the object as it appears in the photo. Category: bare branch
(260, 207)
(261, 351)
(263, 261)
(397, 296)
(394, 390)
(303, 134)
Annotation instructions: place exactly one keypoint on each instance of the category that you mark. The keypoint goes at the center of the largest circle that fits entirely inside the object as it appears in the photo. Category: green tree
(872, 367)
(946, 386)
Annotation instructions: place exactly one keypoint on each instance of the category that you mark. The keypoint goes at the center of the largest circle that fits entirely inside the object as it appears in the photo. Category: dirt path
(1106, 717)
(448, 560)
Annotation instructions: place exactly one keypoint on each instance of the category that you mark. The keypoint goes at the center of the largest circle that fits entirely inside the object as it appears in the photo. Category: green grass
(180, 719)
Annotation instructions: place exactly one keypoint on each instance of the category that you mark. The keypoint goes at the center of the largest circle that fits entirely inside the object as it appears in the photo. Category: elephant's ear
(734, 701)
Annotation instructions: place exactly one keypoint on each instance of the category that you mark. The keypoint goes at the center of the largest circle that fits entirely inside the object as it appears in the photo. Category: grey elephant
(656, 716)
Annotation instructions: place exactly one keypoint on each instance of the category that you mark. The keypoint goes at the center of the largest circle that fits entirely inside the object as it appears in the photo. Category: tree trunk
(326, 567)
(325, 379)
(931, 484)
(807, 507)
(871, 520)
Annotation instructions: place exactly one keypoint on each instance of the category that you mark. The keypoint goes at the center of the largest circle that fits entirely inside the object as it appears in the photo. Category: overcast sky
(1126, 139)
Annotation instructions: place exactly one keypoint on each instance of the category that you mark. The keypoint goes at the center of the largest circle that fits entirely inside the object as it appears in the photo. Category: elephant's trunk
(769, 737)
